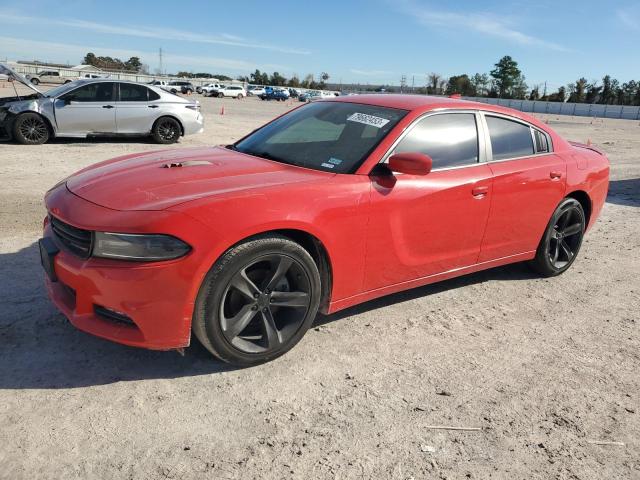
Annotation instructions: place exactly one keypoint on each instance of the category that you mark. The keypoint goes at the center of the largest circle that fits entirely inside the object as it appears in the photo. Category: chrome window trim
(482, 147)
(485, 113)
(485, 153)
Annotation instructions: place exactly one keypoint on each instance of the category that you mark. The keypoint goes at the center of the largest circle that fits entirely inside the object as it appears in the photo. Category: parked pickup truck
(212, 89)
(48, 76)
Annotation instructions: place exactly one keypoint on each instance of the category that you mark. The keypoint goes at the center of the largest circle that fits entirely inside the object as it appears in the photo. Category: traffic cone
(222, 110)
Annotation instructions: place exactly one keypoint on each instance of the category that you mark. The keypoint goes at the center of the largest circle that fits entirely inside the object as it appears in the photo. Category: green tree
(277, 80)
(134, 64)
(506, 75)
(480, 84)
(559, 96)
(578, 91)
(90, 59)
(460, 84)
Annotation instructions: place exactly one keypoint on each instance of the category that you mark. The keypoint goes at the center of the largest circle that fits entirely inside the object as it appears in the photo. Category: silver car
(96, 107)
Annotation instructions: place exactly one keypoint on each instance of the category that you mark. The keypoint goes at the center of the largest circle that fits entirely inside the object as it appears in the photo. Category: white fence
(24, 69)
(558, 108)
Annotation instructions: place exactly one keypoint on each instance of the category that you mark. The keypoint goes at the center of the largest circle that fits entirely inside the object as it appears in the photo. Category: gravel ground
(544, 367)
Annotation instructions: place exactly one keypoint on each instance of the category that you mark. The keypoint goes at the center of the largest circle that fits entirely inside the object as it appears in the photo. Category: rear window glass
(509, 139)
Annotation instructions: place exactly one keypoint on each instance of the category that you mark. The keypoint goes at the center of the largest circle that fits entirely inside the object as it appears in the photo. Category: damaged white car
(96, 107)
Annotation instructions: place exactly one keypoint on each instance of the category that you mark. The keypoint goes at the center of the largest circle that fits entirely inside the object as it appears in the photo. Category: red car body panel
(381, 234)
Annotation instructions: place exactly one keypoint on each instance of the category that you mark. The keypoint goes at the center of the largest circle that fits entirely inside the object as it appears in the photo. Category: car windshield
(327, 136)
(55, 92)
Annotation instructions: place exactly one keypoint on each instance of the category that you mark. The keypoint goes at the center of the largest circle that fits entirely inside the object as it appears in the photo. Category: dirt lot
(544, 367)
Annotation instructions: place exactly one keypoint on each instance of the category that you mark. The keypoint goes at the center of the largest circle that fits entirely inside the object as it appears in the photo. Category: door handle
(107, 106)
(480, 192)
(555, 175)
(152, 106)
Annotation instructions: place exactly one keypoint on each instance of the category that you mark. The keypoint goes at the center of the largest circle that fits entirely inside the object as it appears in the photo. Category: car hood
(9, 72)
(159, 180)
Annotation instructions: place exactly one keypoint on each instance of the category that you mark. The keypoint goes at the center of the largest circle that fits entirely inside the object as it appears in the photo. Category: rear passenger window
(153, 96)
(130, 92)
(451, 139)
(509, 139)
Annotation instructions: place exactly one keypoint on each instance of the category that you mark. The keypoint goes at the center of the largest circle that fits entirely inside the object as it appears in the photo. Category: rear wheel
(257, 301)
(30, 129)
(35, 81)
(239, 96)
(166, 130)
(562, 239)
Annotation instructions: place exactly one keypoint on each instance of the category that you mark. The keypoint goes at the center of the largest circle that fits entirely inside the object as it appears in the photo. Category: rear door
(86, 110)
(529, 181)
(425, 225)
(136, 108)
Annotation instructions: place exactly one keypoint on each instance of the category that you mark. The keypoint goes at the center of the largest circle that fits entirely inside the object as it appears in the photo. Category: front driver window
(94, 92)
(450, 139)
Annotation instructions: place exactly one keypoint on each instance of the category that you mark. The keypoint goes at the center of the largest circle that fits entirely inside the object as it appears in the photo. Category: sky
(374, 41)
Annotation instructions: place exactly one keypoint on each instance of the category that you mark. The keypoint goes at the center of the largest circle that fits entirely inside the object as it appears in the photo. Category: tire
(562, 239)
(67, 81)
(35, 81)
(257, 301)
(239, 96)
(166, 130)
(30, 129)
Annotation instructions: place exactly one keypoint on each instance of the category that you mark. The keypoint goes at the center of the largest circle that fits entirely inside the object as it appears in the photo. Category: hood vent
(188, 163)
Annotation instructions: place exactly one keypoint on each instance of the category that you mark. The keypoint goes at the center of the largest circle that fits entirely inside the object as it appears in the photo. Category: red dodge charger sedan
(331, 204)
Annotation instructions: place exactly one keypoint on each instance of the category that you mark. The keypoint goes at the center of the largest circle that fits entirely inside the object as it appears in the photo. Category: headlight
(138, 247)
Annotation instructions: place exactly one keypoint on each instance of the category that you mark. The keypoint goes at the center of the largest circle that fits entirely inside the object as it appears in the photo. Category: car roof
(425, 103)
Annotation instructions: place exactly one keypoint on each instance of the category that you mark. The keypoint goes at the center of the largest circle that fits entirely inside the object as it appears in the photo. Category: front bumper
(157, 297)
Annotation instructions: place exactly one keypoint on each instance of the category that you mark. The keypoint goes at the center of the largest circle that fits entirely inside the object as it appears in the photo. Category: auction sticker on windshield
(372, 120)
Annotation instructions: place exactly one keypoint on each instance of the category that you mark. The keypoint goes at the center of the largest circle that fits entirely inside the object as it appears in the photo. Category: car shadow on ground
(625, 192)
(40, 349)
(517, 271)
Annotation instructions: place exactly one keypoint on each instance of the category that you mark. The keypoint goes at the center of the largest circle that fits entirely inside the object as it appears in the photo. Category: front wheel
(35, 81)
(166, 130)
(562, 239)
(30, 129)
(257, 301)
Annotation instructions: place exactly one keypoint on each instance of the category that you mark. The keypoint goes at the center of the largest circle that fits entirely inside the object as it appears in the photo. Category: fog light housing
(138, 247)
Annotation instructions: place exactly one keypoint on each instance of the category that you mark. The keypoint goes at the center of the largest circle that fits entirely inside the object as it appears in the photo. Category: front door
(423, 225)
(89, 109)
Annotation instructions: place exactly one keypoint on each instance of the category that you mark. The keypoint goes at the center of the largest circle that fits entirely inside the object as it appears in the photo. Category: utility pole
(160, 61)
(413, 82)
(403, 82)
(544, 95)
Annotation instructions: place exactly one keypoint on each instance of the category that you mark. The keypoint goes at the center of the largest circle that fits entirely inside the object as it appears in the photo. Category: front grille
(76, 240)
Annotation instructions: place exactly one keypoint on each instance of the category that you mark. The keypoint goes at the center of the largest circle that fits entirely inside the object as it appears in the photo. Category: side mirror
(411, 163)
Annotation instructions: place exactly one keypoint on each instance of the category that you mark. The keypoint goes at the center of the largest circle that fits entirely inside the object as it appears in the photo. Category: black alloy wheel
(562, 239)
(265, 304)
(257, 301)
(166, 130)
(30, 129)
